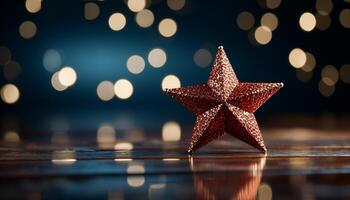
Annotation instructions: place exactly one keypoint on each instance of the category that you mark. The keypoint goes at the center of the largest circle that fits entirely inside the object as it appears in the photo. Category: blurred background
(103, 65)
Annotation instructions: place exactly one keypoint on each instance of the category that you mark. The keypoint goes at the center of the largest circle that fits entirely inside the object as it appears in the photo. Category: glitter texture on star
(225, 105)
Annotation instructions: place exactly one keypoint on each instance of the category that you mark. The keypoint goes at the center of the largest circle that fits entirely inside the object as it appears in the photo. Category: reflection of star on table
(224, 105)
(227, 179)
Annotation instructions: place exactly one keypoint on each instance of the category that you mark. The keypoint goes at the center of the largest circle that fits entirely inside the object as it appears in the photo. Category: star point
(225, 105)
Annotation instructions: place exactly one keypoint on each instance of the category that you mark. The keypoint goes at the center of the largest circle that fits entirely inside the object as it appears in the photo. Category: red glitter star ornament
(225, 105)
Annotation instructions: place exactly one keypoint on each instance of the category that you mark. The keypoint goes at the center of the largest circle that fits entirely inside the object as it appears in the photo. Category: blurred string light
(9, 93)
(65, 157)
(56, 84)
(12, 137)
(27, 29)
(324, 7)
(344, 73)
(117, 21)
(135, 64)
(263, 35)
(202, 57)
(52, 60)
(264, 192)
(105, 90)
(157, 57)
(144, 18)
(170, 82)
(167, 27)
(269, 20)
(123, 89)
(171, 131)
(330, 75)
(5, 55)
(125, 146)
(91, 11)
(33, 6)
(325, 89)
(307, 21)
(136, 5)
(323, 22)
(11, 70)
(106, 136)
(297, 58)
(67, 76)
(344, 18)
(176, 4)
(273, 4)
(245, 20)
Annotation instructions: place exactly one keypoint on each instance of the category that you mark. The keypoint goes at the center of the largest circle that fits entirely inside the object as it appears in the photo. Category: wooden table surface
(300, 164)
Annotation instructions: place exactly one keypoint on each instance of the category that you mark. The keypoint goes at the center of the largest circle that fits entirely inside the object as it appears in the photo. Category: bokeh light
(5, 55)
(325, 89)
(91, 11)
(171, 131)
(167, 27)
(202, 57)
(324, 7)
(9, 94)
(56, 84)
(297, 58)
(157, 57)
(307, 21)
(264, 192)
(135, 64)
(273, 4)
(330, 75)
(136, 169)
(67, 76)
(136, 181)
(27, 29)
(64, 157)
(245, 20)
(170, 82)
(132, 170)
(11, 70)
(176, 4)
(344, 18)
(123, 159)
(106, 136)
(105, 90)
(310, 63)
(52, 60)
(33, 6)
(123, 146)
(344, 73)
(263, 35)
(323, 22)
(117, 21)
(269, 20)
(144, 18)
(123, 89)
(11, 136)
(136, 5)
